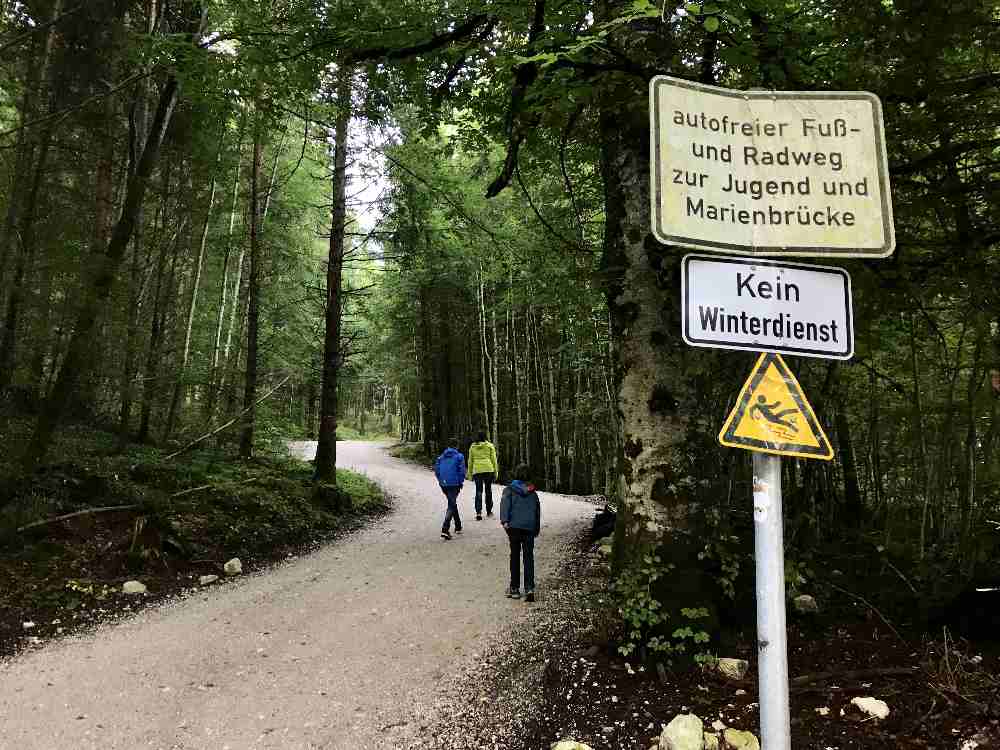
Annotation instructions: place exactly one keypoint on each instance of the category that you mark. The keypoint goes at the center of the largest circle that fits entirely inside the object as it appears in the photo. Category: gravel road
(348, 647)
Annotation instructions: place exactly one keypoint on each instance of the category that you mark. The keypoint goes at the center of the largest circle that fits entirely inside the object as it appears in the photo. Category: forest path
(347, 647)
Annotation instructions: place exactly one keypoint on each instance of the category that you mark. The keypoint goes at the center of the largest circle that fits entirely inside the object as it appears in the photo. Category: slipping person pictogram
(766, 410)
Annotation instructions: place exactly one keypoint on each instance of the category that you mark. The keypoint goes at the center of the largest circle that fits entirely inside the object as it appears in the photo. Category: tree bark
(253, 295)
(655, 397)
(192, 306)
(27, 148)
(326, 451)
(99, 285)
(213, 376)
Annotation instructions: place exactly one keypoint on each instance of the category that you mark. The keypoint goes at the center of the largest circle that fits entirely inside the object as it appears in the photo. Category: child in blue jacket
(449, 468)
(521, 517)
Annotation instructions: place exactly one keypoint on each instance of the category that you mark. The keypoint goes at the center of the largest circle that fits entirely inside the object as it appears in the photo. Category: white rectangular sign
(767, 306)
(769, 172)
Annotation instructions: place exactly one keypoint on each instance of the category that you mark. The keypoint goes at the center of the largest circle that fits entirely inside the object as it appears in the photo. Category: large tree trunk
(326, 451)
(138, 133)
(655, 400)
(253, 295)
(98, 288)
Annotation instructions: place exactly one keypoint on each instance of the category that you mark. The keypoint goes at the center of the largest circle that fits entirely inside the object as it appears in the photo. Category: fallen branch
(211, 486)
(871, 607)
(87, 512)
(900, 574)
(230, 423)
(852, 674)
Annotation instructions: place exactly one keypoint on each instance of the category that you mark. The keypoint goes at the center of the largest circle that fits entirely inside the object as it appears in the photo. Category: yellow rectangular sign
(769, 172)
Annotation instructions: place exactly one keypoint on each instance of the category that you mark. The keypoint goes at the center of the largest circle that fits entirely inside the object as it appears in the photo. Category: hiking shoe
(513, 594)
(479, 517)
(530, 596)
(446, 535)
(458, 531)
(489, 514)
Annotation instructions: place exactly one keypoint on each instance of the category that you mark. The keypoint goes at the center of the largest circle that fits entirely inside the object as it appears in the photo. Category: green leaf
(693, 8)
(711, 24)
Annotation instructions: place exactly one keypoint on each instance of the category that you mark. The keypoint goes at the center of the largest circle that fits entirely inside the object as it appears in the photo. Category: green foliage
(797, 575)
(648, 628)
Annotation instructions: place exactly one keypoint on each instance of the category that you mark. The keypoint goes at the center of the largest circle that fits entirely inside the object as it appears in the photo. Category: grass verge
(182, 519)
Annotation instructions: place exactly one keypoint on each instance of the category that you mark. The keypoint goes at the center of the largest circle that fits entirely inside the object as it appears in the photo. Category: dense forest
(427, 219)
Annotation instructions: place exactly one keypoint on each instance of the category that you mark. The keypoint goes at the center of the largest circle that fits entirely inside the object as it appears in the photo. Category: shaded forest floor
(941, 694)
(189, 516)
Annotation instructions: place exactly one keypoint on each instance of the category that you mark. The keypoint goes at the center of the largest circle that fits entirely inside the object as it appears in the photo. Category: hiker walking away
(483, 470)
(521, 517)
(449, 468)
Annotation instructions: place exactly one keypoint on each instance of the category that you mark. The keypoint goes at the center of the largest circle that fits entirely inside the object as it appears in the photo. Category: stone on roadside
(737, 739)
(570, 745)
(205, 580)
(734, 669)
(684, 732)
(28, 625)
(234, 567)
(134, 587)
(872, 707)
(805, 604)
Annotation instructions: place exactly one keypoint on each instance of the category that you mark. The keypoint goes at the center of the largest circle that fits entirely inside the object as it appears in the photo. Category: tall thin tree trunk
(554, 414)
(36, 91)
(253, 295)
(24, 260)
(213, 376)
(138, 134)
(192, 306)
(326, 451)
(152, 384)
(483, 349)
(494, 377)
(918, 414)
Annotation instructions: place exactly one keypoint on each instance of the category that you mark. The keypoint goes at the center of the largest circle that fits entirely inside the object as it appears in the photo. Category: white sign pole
(772, 639)
(794, 173)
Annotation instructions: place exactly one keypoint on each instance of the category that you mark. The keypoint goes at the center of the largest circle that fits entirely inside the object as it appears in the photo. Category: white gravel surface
(354, 646)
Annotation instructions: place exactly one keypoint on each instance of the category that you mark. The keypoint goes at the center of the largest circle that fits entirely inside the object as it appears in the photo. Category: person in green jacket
(483, 469)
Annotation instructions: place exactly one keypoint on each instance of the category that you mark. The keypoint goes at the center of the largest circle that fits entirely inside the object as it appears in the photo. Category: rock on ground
(233, 567)
(872, 706)
(737, 739)
(805, 604)
(734, 669)
(684, 732)
(134, 587)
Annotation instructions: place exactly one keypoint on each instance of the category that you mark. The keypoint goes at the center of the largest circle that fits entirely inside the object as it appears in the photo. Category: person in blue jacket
(449, 468)
(521, 518)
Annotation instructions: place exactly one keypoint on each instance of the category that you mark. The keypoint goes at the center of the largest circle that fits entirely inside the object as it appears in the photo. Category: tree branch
(385, 52)
(232, 421)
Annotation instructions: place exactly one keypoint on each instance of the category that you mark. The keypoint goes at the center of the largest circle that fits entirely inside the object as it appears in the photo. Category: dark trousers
(522, 542)
(484, 485)
(452, 494)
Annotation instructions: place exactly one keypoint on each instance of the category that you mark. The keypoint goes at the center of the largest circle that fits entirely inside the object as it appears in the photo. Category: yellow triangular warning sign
(773, 416)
